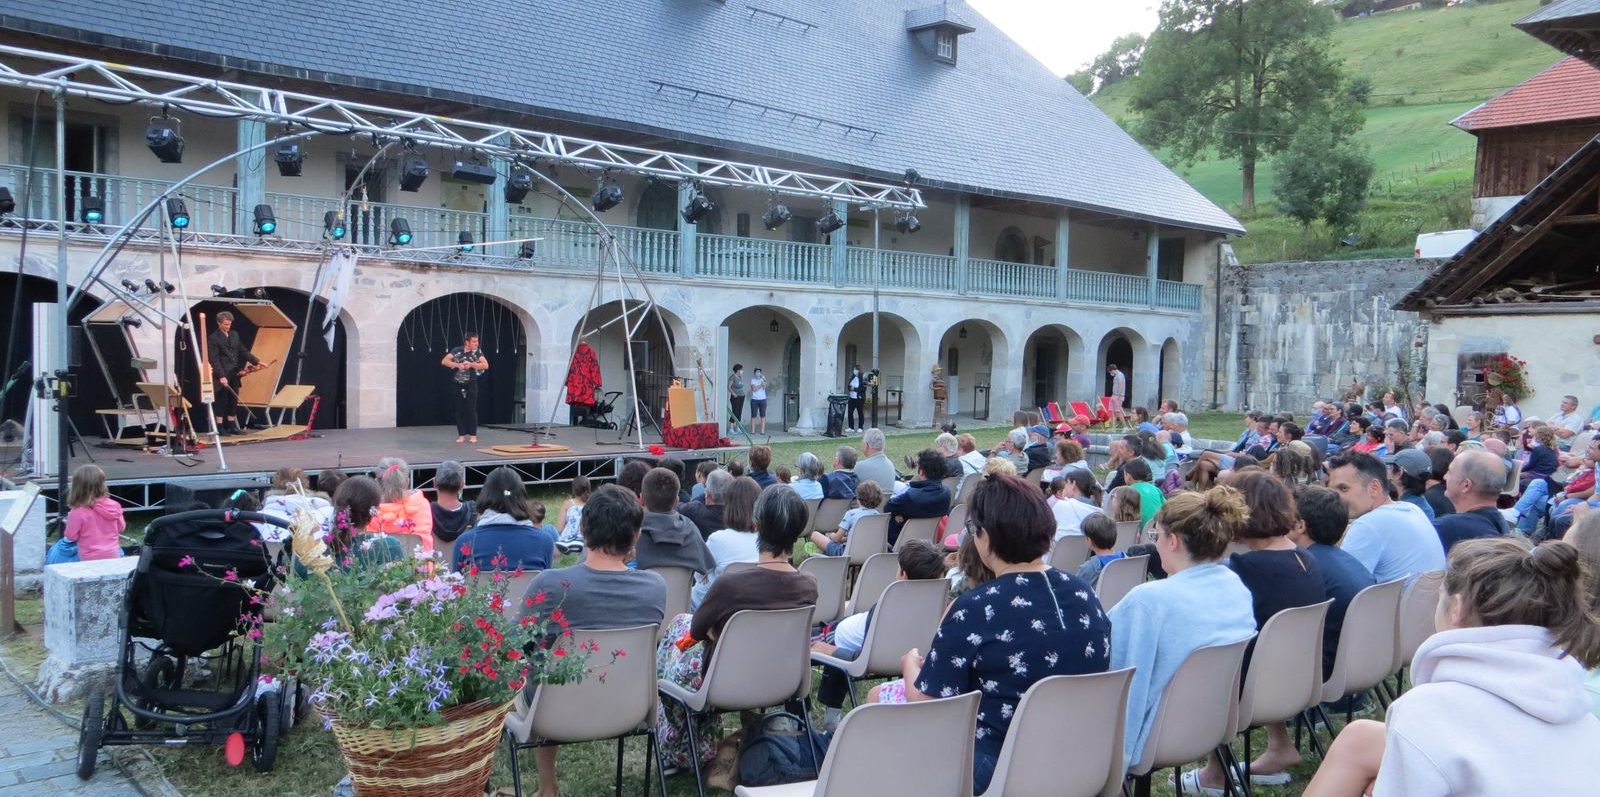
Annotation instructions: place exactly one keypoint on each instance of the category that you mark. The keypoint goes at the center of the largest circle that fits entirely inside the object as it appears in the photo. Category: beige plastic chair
(1127, 534)
(761, 659)
(1066, 738)
(1285, 675)
(921, 749)
(1367, 643)
(680, 582)
(1119, 577)
(829, 512)
(1514, 480)
(1034, 476)
(1069, 553)
(951, 484)
(811, 510)
(620, 705)
(877, 574)
(1415, 625)
(919, 528)
(957, 523)
(907, 615)
(1196, 713)
(869, 536)
(969, 483)
(831, 573)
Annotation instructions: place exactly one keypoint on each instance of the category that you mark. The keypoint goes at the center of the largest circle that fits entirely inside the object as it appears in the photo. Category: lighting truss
(120, 83)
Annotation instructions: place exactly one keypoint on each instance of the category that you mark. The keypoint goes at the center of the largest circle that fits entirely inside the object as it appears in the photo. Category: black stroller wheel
(89, 735)
(265, 750)
(160, 674)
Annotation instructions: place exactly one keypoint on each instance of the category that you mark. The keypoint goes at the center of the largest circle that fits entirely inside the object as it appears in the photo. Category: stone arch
(1012, 246)
(38, 286)
(657, 337)
(657, 206)
(1048, 356)
(430, 329)
(789, 356)
(975, 355)
(1170, 381)
(899, 356)
(1126, 348)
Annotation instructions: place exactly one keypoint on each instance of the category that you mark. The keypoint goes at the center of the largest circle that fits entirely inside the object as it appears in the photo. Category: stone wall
(1295, 332)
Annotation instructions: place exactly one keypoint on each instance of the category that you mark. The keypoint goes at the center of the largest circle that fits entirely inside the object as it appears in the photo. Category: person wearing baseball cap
(1038, 448)
(1409, 471)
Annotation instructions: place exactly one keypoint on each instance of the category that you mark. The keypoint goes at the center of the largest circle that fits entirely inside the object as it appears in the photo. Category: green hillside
(1426, 68)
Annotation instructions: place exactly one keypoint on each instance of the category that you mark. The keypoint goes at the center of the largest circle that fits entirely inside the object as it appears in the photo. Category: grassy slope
(1426, 67)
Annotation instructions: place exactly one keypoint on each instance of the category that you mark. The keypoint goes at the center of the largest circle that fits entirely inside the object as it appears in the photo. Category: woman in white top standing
(737, 540)
(758, 401)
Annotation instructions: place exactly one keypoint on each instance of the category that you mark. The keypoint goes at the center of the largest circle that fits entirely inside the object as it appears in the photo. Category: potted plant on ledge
(412, 668)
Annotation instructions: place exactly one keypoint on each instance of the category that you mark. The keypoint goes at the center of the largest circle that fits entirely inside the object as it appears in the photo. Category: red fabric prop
(695, 435)
(583, 376)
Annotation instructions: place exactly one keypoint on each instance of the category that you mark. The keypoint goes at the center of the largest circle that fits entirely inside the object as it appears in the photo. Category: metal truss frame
(76, 76)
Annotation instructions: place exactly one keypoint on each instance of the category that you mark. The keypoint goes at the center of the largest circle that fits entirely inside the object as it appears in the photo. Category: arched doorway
(899, 363)
(1046, 358)
(779, 342)
(970, 351)
(432, 329)
(93, 390)
(1171, 374)
(653, 367)
(322, 367)
(1012, 247)
(658, 206)
(1118, 347)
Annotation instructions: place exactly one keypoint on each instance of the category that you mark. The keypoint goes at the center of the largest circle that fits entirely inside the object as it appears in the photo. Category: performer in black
(467, 363)
(228, 355)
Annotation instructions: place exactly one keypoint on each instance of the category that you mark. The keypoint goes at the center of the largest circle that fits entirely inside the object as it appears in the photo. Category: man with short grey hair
(1473, 484)
(1567, 422)
(707, 513)
(841, 481)
(874, 465)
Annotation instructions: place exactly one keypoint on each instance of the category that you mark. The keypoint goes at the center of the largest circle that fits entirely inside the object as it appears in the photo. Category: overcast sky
(1065, 34)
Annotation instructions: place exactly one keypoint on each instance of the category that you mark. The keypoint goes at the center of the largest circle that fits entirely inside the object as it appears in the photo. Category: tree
(1323, 174)
(1082, 80)
(1235, 78)
(1119, 62)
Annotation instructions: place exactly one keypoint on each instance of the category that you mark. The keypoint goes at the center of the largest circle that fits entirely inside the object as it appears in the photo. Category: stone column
(1063, 253)
(686, 232)
(840, 241)
(962, 239)
(1152, 250)
(498, 210)
(82, 604)
(252, 174)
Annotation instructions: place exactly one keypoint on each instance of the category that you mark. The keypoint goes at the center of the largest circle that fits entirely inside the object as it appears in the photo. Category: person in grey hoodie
(666, 538)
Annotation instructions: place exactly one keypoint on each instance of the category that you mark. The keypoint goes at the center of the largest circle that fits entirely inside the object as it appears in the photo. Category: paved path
(39, 755)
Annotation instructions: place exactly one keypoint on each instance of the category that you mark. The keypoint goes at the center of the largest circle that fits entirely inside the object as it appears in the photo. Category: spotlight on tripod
(218, 290)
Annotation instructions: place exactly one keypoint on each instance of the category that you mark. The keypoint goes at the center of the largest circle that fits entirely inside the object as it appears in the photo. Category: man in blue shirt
(1473, 484)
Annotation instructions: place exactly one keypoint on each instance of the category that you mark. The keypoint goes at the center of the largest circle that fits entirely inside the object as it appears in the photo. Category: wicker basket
(450, 760)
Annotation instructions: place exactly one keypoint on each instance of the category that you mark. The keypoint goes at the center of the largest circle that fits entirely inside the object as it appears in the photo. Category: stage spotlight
(133, 287)
(413, 172)
(218, 290)
(289, 158)
(7, 204)
(168, 287)
(399, 232)
(776, 216)
(697, 208)
(258, 293)
(333, 225)
(177, 213)
(130, 321)
(93, 209)
(913, 177)
(518, 184)
(830, 223)
(470, 171)
(907, 224)
(266, 223)
(165, 139)
(525, 251)
(607, 197)
(464, 241)
(149, 285)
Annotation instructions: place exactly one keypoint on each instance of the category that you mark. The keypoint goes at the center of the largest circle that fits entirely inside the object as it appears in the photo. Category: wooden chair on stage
(288, 400)
(163, 404)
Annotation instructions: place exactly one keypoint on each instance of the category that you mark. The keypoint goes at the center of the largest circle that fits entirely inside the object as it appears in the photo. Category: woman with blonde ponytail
(1200, 603)
(1497, 705)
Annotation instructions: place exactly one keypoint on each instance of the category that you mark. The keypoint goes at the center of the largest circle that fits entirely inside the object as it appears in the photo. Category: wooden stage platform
(139, 479)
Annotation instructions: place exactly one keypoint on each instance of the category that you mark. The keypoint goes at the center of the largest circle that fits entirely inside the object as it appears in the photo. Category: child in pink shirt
(95, 520)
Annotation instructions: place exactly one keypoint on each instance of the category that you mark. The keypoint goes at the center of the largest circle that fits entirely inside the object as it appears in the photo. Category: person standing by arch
(228, 355)
(758, 401)
(854, 420)
(736, 392)
(466, 362)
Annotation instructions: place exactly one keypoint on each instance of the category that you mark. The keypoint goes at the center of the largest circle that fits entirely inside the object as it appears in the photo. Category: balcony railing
(576, 246)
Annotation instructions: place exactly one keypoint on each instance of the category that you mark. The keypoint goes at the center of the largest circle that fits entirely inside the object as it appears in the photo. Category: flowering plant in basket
(1509, 374)
(395, 644)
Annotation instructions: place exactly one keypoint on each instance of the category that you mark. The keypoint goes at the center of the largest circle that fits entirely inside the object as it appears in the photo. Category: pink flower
(186, 561)
(230, 575)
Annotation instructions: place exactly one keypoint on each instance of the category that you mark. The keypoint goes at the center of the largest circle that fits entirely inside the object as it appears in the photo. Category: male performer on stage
(228, 356)
(468, 363)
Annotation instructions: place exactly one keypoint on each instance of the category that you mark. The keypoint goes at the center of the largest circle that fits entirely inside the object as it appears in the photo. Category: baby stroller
(186, 675)
(599, 416)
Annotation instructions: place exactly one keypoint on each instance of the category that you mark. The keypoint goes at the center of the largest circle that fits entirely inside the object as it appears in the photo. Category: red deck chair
(1106, 415)
(1082, 408)
(1052, 413)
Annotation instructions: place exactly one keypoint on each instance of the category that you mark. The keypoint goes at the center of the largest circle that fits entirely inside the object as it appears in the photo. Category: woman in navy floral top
(1029, 622)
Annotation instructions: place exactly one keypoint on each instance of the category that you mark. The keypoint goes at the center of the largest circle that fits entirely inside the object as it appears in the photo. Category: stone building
(1052, 243)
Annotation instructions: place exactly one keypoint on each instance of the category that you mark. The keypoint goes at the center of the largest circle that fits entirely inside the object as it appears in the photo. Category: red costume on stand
(583, 377)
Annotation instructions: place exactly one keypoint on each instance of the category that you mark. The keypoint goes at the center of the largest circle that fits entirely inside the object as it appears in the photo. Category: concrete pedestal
(82, 605)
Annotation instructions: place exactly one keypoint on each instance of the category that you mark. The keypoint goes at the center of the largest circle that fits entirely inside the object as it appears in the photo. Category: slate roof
(1569, 91)
(1569, 26)
(998, 123)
